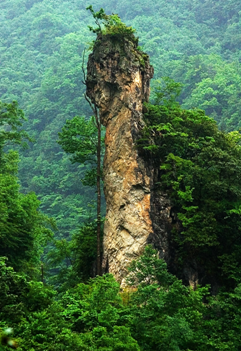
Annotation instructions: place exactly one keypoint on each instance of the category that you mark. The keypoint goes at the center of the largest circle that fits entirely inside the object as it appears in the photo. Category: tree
(19, 295)
(95, 310)
(11, 121)
(164, 314)
(70, 261)
(212, 85)
(200, 169)
(84, 141)
(22, 228)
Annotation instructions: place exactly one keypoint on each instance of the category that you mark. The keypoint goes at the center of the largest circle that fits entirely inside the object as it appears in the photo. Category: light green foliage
(166, 91)
(165, 314)
(13, 288)
(58, 264)
(212, 85)
(45, 76)
(11, 121)
(86, 318)
(28, 307)
(73, 261)
(94, 310)
(48, 330)
(82, 139)
(79, 138)
(112, 25)
(23, 229)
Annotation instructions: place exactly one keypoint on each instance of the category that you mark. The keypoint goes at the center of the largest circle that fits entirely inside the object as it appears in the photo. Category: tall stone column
(118, 82)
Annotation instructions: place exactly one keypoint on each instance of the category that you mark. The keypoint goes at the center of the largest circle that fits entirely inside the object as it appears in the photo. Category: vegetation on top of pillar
(116, 32)
(111, 25)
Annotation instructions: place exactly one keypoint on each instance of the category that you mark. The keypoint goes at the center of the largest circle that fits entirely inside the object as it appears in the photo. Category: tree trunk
(98, 183)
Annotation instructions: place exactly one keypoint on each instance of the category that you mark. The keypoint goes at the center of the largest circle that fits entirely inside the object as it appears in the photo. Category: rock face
(118, 82)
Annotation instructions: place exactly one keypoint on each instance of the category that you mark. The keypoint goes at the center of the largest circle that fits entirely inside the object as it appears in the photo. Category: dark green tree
(200, 170)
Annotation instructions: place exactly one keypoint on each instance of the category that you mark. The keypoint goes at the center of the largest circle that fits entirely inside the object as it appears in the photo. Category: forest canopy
(50, 296)
(195, 43)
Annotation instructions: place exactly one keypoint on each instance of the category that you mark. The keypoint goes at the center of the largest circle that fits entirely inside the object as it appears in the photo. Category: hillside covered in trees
(196, 43)
(49, 291)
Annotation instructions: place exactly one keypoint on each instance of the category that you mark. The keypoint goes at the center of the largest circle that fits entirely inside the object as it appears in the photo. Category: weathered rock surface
(118, 82)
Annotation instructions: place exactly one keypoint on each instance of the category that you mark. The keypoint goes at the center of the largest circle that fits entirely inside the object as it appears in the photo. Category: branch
(83, 67)
(92, 106)
(94, 109)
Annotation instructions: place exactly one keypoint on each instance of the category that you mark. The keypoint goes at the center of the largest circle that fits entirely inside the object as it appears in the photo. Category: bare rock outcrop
(118, 82)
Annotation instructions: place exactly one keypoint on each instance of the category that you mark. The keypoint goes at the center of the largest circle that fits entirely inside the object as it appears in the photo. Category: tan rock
(118, 82)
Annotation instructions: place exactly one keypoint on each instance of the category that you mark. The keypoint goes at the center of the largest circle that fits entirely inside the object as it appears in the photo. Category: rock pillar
(118, 82)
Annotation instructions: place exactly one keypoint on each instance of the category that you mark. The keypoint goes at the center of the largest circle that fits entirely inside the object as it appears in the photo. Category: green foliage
(28, 307)
(165, 314)
(79, 138)
(200, 170)
(84, 250)
(48, 330)
(222, 321)
(6, 339)
(13, 288)
(112, 24)
(20, 296)
(86, 318)
(166, 91)
(161, 314)
(73, 261)
(11, 119)
(83, 140)
(212, 85)
(94, 311)
(22, 228)
(194, 42)
(42, 45)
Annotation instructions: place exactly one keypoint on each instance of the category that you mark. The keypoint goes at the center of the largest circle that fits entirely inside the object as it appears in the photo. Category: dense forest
(50, 295)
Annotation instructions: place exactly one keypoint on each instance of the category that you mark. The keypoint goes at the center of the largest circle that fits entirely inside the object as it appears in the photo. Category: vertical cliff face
(118, 82)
